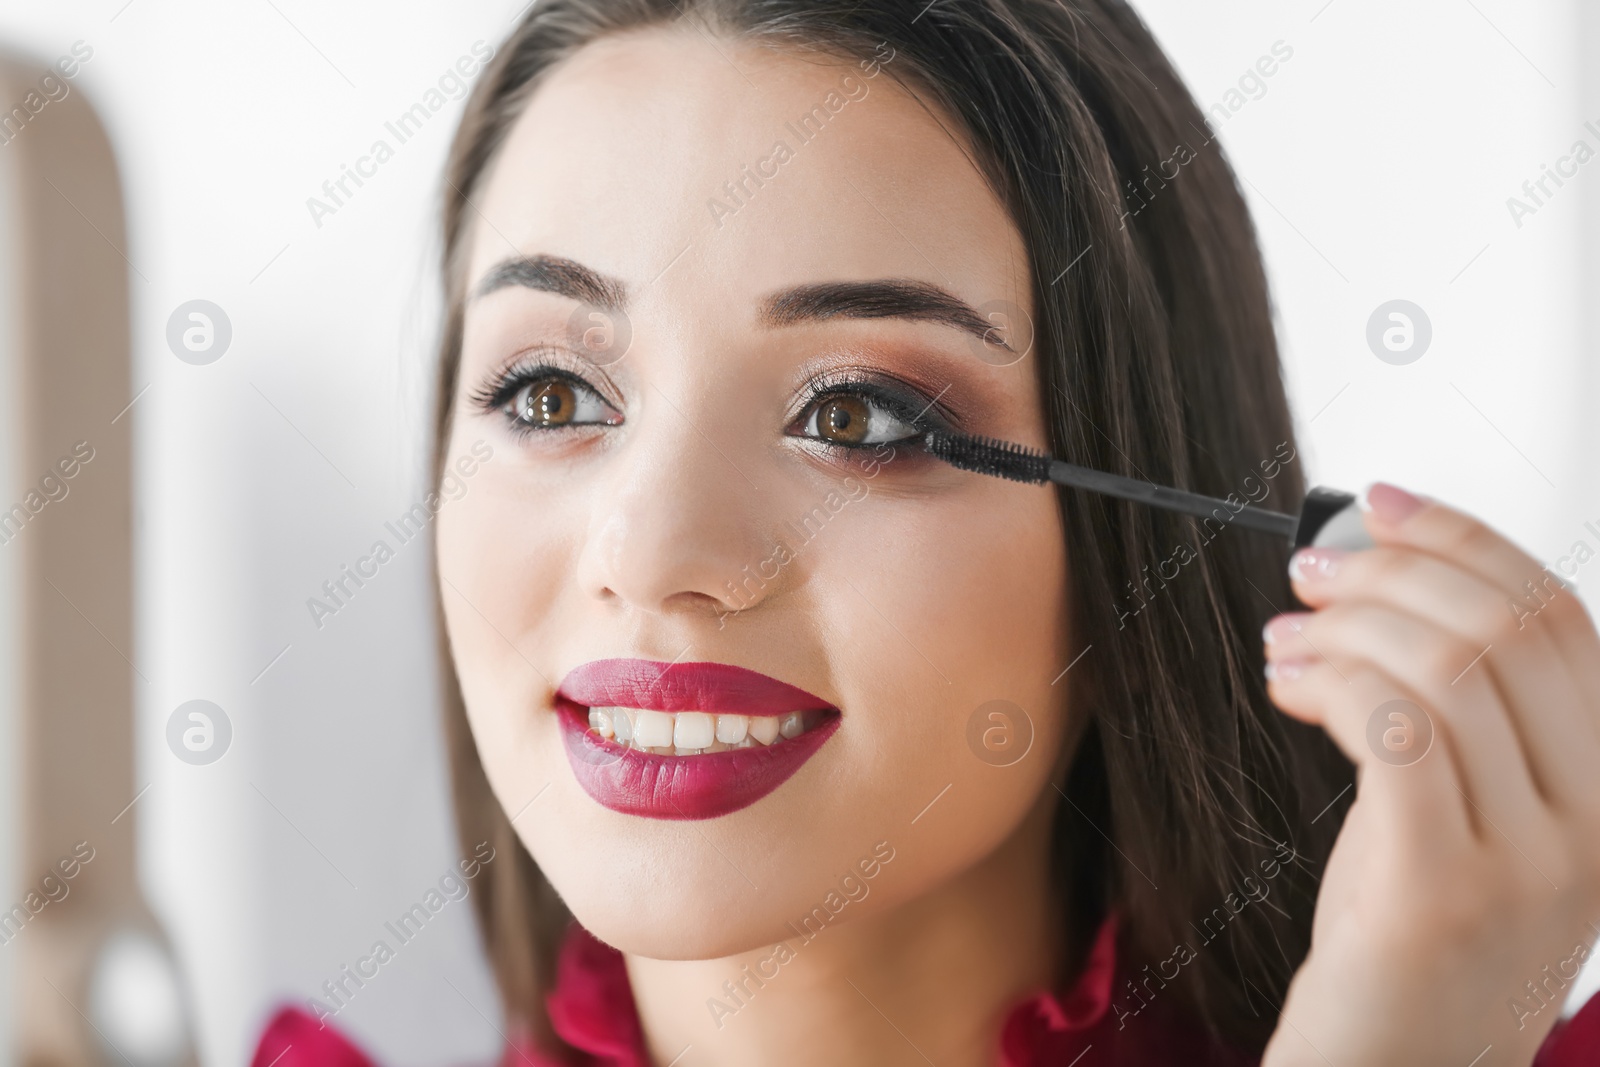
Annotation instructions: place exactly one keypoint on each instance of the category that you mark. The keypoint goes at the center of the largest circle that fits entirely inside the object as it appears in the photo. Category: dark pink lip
(714, 687)
(626, 780)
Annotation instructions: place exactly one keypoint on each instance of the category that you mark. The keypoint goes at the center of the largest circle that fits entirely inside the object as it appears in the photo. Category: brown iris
(551, 403)
(843, 420)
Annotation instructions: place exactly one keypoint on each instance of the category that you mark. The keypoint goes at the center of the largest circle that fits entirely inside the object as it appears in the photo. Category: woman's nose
(678, 520)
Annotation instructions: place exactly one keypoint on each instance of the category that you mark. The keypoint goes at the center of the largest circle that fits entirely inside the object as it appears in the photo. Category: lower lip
(632, 782)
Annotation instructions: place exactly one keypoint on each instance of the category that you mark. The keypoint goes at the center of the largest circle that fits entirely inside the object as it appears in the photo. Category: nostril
(703, 603)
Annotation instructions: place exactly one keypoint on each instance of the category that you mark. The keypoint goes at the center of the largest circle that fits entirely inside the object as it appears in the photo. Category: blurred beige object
(88, 977)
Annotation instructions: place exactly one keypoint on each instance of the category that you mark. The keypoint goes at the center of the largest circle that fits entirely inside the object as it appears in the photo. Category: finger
(1534, 595)
(1391, 739)
(1424, 659)
(1548, 710)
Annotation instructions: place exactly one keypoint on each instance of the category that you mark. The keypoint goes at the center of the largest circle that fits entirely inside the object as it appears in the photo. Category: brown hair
(1157, 359)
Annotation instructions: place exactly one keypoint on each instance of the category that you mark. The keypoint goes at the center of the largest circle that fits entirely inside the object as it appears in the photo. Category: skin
(621, 540)
(1456, 878)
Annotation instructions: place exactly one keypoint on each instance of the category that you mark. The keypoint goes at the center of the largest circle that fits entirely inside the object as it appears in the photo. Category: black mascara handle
(1179, 500)
(1331, 518)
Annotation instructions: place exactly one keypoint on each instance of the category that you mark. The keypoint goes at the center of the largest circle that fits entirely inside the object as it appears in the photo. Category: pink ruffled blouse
(591, 1008)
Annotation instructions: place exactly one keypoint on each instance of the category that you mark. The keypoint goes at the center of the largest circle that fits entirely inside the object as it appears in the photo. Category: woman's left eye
(852, 420)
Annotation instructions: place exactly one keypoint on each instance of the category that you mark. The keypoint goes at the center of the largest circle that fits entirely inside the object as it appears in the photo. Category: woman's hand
(1463, 892)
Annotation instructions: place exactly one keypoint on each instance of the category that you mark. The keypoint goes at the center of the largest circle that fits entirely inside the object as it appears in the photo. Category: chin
(681, 934)
(680, 902)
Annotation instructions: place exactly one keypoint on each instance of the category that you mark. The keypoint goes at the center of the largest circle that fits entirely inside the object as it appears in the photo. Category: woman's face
(712, 290)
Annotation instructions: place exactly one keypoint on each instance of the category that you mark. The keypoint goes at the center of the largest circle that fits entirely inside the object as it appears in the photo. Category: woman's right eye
(554, 402)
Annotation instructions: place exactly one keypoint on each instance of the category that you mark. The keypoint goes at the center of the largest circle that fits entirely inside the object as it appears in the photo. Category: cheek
(960, 600)
(502, 571)
(947, 622)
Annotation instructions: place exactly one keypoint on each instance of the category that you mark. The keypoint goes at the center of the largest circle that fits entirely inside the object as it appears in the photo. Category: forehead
(683, 163)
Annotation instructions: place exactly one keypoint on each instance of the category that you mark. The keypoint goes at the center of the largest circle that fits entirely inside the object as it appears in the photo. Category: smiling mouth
(687, 740)
(696, 733)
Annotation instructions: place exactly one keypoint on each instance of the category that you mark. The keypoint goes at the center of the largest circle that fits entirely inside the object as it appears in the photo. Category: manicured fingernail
(1281, 626)
(1285, 670)
(1309, 564)
(1390, 503)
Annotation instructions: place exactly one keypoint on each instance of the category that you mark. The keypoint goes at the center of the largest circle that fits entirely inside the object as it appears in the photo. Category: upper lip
(712, 687)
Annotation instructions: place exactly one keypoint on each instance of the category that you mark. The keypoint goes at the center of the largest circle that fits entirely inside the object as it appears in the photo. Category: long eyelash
(495, 394)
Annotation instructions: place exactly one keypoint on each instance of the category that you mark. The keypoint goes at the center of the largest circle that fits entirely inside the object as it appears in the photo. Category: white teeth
(694, 729)
(652, 729)
(731, 729)
(687, 733)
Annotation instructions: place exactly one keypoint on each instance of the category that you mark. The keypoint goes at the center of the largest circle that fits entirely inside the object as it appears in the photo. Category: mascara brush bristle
(982, 455)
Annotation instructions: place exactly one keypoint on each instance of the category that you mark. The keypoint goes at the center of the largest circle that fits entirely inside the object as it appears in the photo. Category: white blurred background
(1378, 159)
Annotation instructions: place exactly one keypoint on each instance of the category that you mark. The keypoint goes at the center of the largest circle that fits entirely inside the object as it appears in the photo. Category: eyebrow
(884, 299)
(555, 274)
(889, 298)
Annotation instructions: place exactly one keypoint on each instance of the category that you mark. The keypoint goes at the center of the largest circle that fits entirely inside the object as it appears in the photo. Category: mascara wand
(1329, 518)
